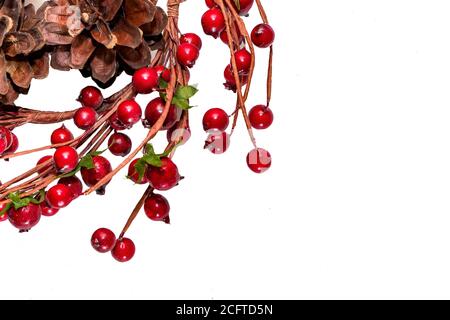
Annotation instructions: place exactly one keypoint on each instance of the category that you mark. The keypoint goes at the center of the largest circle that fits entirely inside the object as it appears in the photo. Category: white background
(356, 204)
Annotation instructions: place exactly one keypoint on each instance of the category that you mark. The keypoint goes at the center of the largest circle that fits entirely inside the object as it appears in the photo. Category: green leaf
(87, 162)
(186, 92)
(19, 202)
(152, 160)
(149, 158)
(140, 168)
(238, 4)
(5, 210)
(181, 103)
(163, 84)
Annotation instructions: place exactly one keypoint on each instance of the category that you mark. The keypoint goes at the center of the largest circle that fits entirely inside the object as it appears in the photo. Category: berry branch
(102, 42)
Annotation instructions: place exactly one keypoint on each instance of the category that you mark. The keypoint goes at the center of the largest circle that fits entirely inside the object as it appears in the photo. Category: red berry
(6, 134)
(25, 218)
(193, 39)
(215, 119)
(145, 80)
(244, 6)
(218, 142)
(164, 177)
(243, 61)
(61, 135)
(3, 215)
(213, 22)
(230, 82)
(47, 210)
(119, 144)
(178, 135)
(116, 124)
(224, 36)
(123, 250)
(91, 97)
(210, 3)
(157, 207)
(154, 111)
(129, 112)
(3, 145)
(74, 184)
(102, 167)
(65, 159)
(14, 145)
(133, 175)
(85, 118)
(59, 196)
(103, 240)
(259, 160)
(263, 35)
(42, 161)
(260, 117)
(187, 54)
(163, 73)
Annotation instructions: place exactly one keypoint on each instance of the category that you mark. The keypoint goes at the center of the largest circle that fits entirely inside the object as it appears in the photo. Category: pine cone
(101, 38)
(21, 54)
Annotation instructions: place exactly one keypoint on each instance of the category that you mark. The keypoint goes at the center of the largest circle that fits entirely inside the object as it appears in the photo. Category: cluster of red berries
(8, 141)
(216, 120)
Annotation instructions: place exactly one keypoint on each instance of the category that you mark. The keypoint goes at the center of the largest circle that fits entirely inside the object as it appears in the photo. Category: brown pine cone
(21, 54)
(101, 38)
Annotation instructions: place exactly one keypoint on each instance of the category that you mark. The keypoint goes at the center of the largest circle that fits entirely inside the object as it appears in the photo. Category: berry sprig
(57, 179)
(224, 20)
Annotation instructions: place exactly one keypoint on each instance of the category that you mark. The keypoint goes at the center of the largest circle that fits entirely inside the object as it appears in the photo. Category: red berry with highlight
(25, 218)
(215, 119)
(244, 6)
(145, 80)
(263, 35)
(85, 118)
(164, 177)
(243, 61)
(65, 159)
(259, 160)
(260, 117)
(230, 82)
(163, 73)
(74, 184)
(59, 196)
(14, 145)
(48, 211)
(119, 144)
(42, 161)
(116, 124)
(123, 250)
(91, 97)
(103, 240)
(210, 3)
(102, 167)
(154, 111)
(157, 207)
(187, 54)
(129, 112)
(61, 135)
(6, 136)
(213, 22)
(193, 39)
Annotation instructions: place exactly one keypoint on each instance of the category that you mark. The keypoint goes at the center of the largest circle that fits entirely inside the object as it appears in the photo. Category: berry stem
(136, 211)
(241, 98)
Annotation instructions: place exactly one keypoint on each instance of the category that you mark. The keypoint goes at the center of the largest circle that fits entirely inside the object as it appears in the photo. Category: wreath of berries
(102, 39)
